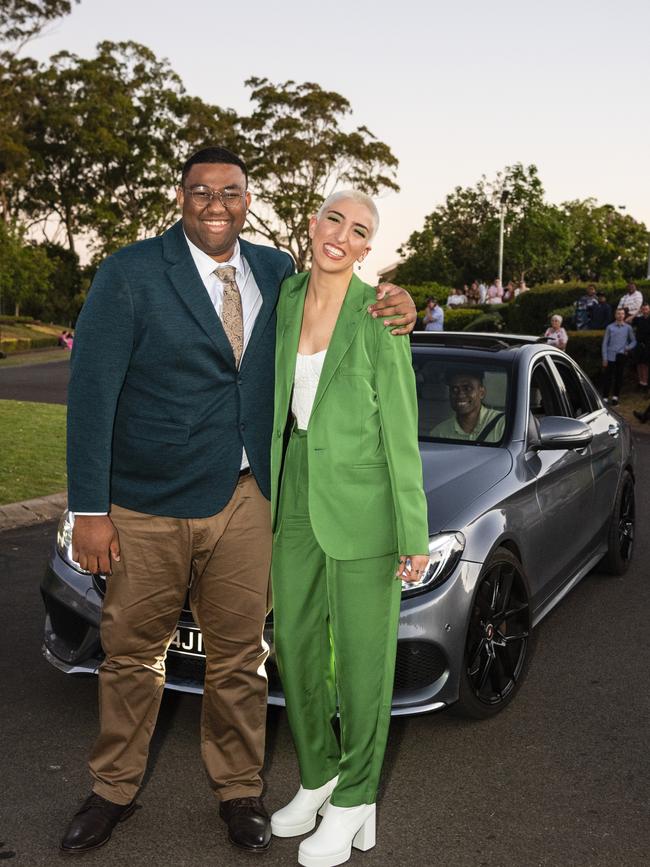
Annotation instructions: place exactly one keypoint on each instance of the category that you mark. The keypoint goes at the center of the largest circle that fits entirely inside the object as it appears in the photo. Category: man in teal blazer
(168, 468)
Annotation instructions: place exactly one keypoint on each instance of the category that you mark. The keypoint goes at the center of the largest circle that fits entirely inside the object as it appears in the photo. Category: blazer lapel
(287, 340)
(186, 281)
(267, 283)
(347, 325)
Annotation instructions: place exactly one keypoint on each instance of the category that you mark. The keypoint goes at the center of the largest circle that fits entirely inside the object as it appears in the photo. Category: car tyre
(620, 536)
(499, 642)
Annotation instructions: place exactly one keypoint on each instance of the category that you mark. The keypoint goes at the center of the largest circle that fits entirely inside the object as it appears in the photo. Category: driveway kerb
(32, 511)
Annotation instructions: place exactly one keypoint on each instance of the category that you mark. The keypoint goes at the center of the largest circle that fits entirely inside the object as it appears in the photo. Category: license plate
(187, 641)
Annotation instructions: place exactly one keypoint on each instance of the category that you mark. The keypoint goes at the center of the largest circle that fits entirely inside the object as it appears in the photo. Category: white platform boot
(341, 829)
(299, 816)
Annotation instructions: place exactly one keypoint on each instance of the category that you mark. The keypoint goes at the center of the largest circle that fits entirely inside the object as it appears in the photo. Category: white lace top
(305, 383)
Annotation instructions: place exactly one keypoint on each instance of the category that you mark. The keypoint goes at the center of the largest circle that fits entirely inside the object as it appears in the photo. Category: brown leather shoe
(249, 825)
(93, 823)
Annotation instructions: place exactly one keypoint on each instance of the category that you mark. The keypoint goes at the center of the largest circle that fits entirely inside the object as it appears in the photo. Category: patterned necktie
(231, 311)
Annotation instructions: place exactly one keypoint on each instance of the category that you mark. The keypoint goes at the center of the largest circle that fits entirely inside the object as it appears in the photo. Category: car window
(580, 400)
(461, 401)
(544, 395)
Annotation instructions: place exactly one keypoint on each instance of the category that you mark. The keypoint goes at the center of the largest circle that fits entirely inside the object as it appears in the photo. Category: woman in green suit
(350, 521)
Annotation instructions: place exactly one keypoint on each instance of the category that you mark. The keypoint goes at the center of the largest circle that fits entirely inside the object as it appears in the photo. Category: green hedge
(24, 344)
(457, 318)
(422, 291)
(531, 312)
(585, 348)
(487, 322)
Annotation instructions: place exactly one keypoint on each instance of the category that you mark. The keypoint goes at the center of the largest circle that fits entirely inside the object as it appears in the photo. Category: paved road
(43, 383)
(560, 779)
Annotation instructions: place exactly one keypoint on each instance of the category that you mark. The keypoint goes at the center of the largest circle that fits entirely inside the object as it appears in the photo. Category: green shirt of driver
(450, 428)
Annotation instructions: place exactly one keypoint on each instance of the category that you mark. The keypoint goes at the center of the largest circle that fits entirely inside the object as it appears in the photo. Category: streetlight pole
(502, 217)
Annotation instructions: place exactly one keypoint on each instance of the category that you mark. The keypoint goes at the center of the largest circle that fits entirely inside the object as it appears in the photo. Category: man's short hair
(213, 155)
(472, 372)
(602, 295)
(431, 298)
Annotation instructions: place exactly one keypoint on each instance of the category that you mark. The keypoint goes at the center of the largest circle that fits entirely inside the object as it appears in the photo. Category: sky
(455, 90)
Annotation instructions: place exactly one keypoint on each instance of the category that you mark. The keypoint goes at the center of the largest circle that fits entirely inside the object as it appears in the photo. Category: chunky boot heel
(364, 839)
(341, 829)
(299, 816)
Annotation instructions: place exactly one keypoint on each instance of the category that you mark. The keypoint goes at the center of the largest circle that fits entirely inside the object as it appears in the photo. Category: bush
(456, 318)
(487, 322)
(421, 292)
(531, 312)
(585, 348)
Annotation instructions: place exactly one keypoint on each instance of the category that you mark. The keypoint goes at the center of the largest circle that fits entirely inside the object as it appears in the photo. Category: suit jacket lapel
(347, 325)
(267, 283)
(187, 282)
(287, 340)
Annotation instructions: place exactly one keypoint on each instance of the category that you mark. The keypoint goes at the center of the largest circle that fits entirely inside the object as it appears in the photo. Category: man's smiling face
(213, 227)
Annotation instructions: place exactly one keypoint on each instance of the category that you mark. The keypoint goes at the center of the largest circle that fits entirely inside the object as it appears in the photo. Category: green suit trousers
(335, 632)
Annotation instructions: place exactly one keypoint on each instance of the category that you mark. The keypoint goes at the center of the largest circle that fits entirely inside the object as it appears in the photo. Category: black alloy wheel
(499, 642)
(620, 539)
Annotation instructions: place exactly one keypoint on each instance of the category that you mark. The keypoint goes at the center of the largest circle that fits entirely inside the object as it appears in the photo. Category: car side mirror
(559, 432)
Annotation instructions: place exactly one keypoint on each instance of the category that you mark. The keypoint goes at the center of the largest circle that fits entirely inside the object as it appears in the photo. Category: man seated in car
(471, 420)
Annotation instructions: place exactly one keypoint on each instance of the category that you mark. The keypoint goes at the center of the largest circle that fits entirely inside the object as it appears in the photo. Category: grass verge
(32, 445)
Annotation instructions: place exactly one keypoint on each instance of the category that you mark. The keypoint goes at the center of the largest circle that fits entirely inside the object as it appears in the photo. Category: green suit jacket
(365, 474)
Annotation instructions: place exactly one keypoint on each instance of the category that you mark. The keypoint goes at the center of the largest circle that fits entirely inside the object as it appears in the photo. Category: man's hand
(411, 568)
(95, 542)
(396, 306)
(604, 363)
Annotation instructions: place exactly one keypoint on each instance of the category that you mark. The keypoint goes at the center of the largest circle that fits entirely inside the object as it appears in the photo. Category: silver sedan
(530, 484)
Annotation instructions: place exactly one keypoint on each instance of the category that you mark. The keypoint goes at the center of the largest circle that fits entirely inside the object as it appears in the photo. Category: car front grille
(418, 664)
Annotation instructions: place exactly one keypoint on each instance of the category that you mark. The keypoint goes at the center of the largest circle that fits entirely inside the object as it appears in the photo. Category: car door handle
(613, 430)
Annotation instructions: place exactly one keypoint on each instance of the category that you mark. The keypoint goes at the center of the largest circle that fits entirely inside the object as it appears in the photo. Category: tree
(22, 20)
(543, 242)
(24, 269)
(298, 153)
(106, 144)
(605, 244)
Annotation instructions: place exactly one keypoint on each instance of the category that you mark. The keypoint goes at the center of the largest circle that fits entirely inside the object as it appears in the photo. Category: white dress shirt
(251, 299)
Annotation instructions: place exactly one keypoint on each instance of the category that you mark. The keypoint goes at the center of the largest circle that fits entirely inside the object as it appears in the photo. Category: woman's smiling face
(341, 235)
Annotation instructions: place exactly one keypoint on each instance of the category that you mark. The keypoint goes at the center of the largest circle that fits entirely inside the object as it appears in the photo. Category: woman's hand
(412, 567)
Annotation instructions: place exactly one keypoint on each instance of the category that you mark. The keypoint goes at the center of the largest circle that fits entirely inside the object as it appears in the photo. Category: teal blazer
(158, 412)
(365, 473)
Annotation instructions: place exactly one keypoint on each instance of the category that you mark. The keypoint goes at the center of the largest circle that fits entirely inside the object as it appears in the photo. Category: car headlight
(64, 541)
(445, 551)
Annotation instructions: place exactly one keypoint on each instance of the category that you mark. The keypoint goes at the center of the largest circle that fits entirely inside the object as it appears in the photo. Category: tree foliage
(543, 242)
(22, 20)
(298, 152)
(106, 143)
(24, 269)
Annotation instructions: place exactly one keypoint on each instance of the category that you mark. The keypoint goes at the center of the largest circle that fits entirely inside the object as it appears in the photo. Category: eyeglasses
(203, 196)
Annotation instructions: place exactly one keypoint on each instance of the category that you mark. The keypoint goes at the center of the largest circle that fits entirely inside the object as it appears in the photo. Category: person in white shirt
(456, 299)
(631, 302)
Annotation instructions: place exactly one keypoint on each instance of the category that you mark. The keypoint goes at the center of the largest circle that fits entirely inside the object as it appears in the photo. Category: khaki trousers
(224, 559)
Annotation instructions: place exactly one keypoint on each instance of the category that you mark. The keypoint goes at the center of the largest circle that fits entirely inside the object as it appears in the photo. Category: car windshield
(460, 400)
